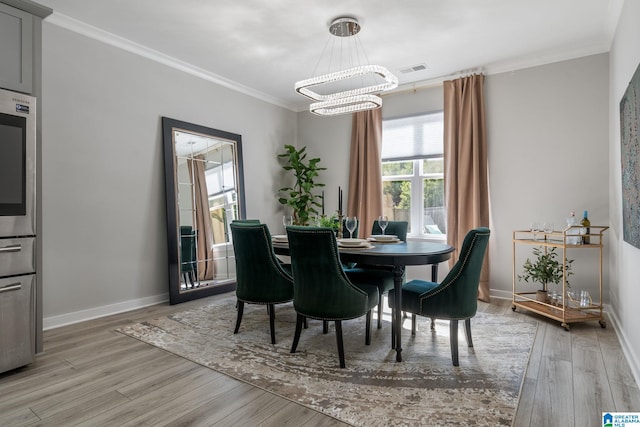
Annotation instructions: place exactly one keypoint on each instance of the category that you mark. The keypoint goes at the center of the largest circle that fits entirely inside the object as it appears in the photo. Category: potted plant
(330, 222)
(300, 197)
(544, 269)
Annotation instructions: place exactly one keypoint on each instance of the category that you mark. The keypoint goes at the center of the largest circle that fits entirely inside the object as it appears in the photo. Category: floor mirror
(204, 193)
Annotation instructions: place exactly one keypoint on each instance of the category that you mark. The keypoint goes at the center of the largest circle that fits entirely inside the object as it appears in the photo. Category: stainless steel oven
(17, 164)
(17, 229)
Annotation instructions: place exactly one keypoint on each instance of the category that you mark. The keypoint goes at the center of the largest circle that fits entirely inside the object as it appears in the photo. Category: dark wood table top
(397, 254)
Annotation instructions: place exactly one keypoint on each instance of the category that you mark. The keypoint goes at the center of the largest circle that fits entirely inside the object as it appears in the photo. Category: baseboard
(632, 359)
(495, 293)
(105, 310)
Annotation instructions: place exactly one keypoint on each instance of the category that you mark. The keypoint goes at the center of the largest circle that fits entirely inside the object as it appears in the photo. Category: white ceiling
(263, 47)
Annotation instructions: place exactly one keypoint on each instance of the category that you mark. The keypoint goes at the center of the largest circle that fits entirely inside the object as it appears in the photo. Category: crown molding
(506, 66)
(30, 6)
(106, 37)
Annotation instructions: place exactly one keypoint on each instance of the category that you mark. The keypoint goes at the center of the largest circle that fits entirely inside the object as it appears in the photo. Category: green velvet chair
(321, 288)
(380, 275)
(188, 257)
(456, 298)
(260, 277)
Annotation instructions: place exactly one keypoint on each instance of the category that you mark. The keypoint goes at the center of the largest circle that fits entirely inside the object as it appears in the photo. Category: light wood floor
(90, 375)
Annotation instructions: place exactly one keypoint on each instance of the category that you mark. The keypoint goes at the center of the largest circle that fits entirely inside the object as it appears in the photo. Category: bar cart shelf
(568, 310)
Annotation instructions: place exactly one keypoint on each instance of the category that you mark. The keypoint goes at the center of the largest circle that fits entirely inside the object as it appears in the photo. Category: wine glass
(383, 221)
(351, 222)
(287, 220)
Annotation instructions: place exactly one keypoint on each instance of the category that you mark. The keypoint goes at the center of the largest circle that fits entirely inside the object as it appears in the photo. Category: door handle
(11, 248)
(11, 287)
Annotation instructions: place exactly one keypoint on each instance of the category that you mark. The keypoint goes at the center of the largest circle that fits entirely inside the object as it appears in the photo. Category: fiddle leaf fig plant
(300, 197)
(545, 268)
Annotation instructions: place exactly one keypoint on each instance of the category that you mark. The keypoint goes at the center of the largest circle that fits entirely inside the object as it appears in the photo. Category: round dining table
(397, 256)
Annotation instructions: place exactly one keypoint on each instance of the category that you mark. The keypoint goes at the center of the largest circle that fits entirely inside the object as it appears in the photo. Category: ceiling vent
(414, 68)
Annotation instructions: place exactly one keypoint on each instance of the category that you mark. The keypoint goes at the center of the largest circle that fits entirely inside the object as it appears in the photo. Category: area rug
(373, 390)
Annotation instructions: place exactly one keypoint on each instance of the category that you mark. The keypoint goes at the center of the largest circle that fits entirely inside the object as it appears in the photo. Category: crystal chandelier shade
(347, 104)
(340, 100)
(391, 82)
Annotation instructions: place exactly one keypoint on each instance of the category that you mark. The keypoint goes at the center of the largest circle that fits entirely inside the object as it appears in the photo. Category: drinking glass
(351, 222)
(287, 220)
(535, 227)
(383, 221)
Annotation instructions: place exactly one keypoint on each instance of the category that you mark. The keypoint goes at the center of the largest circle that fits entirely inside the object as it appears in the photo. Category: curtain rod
(431, 83)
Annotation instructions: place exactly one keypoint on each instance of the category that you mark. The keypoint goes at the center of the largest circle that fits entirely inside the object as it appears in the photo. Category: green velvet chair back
(397, 228)
(260, 277)
(321, 288)
(456, 297)
(245, 221)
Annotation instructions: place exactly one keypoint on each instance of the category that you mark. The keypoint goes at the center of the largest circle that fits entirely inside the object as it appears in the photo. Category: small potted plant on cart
(545, 268)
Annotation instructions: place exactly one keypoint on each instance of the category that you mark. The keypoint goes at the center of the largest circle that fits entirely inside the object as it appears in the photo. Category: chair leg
(272, 322)
(240, 305)
(296, 337)
(453, 339)
(306, 324)
(380, 311)
(467, 330)
(413, 325)
(340, 344)
(433, 323)
(325, 327)
(367, 336)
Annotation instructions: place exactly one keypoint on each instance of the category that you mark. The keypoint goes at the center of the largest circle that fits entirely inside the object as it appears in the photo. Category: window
(413, 173)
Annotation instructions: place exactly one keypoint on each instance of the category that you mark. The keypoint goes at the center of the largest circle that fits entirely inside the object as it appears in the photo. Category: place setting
(354, 243)
(280, 238)
(283, 238)
(383, 221)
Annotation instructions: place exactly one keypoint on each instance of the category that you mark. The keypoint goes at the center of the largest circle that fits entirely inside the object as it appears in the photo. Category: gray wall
(547, 132)
(104, 232)
(625, 259)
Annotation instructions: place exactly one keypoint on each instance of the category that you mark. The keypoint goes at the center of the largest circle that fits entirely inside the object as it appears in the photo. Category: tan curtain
(466, 167)
(365, 173)
(203, 226)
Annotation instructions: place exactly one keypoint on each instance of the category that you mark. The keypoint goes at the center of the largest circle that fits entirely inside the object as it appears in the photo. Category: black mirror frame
(168, 125)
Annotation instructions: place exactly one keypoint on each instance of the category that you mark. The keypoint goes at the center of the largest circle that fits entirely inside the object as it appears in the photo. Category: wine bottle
(585, 223)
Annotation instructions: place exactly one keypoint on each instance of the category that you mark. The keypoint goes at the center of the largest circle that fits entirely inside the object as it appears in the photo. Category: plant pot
(542, 296)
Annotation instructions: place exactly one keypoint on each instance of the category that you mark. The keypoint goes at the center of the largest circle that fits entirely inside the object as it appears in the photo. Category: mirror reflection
(206, 171)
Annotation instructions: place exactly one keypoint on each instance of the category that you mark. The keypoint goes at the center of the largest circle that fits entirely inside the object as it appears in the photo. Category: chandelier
(351, 89)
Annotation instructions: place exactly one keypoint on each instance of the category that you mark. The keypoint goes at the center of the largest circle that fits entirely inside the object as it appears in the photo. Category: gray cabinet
(17, 337)
(16, 49)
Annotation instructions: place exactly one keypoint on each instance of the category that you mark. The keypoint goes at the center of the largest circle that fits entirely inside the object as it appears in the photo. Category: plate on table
(353, 243)
(384, 238)
(280, 238)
